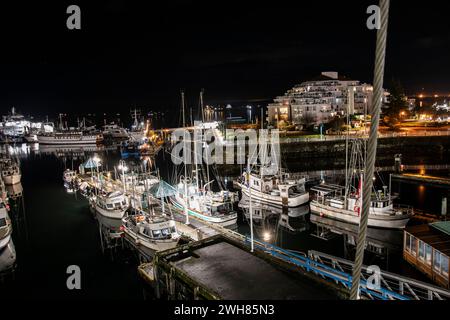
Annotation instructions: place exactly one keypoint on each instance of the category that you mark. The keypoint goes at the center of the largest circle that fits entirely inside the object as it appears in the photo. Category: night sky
(128, 54)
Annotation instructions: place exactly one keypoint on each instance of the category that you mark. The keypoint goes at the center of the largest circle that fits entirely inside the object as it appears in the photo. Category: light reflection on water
(53, 229)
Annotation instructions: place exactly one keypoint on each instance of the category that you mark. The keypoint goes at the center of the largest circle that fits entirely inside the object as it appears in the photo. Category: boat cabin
(157, 228)
(112, 201)
(427, 248)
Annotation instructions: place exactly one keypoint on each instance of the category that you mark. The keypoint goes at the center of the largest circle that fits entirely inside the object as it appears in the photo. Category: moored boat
(150, 233)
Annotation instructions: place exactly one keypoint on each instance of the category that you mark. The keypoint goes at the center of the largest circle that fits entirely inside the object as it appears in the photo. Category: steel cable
(380, 53)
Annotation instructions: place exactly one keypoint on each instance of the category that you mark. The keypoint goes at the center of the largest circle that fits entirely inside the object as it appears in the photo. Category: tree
(398, 104)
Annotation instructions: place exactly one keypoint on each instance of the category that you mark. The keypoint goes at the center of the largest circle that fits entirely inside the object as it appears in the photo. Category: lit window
(444, 265)
(437, 261)
(428, 254)
(421, 250)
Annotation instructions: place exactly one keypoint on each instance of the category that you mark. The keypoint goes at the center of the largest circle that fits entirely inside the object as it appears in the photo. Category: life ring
(267, 188)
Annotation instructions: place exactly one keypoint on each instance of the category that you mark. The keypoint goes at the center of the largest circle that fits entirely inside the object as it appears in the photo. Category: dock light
(266, 236)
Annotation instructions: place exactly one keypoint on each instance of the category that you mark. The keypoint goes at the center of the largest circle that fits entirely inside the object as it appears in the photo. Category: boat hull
(112, 214)
(84, 140)
(4, 241)
(376, 221)
(12, 179)
(275, 200)
(147, 246)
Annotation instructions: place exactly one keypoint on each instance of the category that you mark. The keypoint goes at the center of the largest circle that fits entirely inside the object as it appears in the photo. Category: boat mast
(250, 204)
(186, 200)
(201, 105)
(346, 153)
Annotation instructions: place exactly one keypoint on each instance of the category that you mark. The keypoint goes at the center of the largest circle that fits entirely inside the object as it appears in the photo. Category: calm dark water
(54, 229)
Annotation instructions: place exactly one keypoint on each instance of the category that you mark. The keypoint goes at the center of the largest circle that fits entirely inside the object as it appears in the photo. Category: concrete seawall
(437, 145)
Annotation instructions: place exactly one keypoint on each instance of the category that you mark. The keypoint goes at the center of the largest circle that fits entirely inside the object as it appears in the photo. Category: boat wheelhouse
(280, 189)
(113, 131)
(213, 207)
(110, 204)
(150, 233)
(10, 171)
(69, 175)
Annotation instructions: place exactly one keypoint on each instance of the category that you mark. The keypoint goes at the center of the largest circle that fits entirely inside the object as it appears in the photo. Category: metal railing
(391, 286)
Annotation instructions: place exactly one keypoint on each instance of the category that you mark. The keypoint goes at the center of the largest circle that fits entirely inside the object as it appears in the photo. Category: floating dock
(422, 179)
(223, 268)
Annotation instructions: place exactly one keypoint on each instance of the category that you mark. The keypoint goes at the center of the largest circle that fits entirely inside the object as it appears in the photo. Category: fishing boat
(345, 203)
(150, 233)
(7, 259)
(281, 189)
(10, 171)
(5, 226)
(113, 131)
(110, 204)
(213, 207)
(204, 204)
(69, 176)
(130, 149)
(138, 130)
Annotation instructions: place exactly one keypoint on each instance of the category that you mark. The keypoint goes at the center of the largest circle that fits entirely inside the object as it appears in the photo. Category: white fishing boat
(213, 207)
(113, 131)
(281, 189)
(7, 258)
(330, 202)
(5, 226)
(345, 203)
(110, 204)
(150, 233)
(138, 130)
(10, 171)
(69, 176)
(204, 204)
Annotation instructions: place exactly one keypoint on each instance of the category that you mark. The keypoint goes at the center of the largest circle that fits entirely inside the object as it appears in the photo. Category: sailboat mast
(250, 204)
(346, 155)
(186, 201)
(201, 105)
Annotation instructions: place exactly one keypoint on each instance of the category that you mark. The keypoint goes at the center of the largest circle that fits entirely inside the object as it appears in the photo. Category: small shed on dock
(427, 248)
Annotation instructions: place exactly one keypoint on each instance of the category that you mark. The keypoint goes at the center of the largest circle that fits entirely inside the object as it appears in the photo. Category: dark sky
(130, 54)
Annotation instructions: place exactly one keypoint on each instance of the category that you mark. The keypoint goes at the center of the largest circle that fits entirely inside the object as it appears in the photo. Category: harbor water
(54, 229)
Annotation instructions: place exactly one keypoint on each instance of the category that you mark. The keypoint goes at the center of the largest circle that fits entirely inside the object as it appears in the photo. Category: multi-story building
(320, 100)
